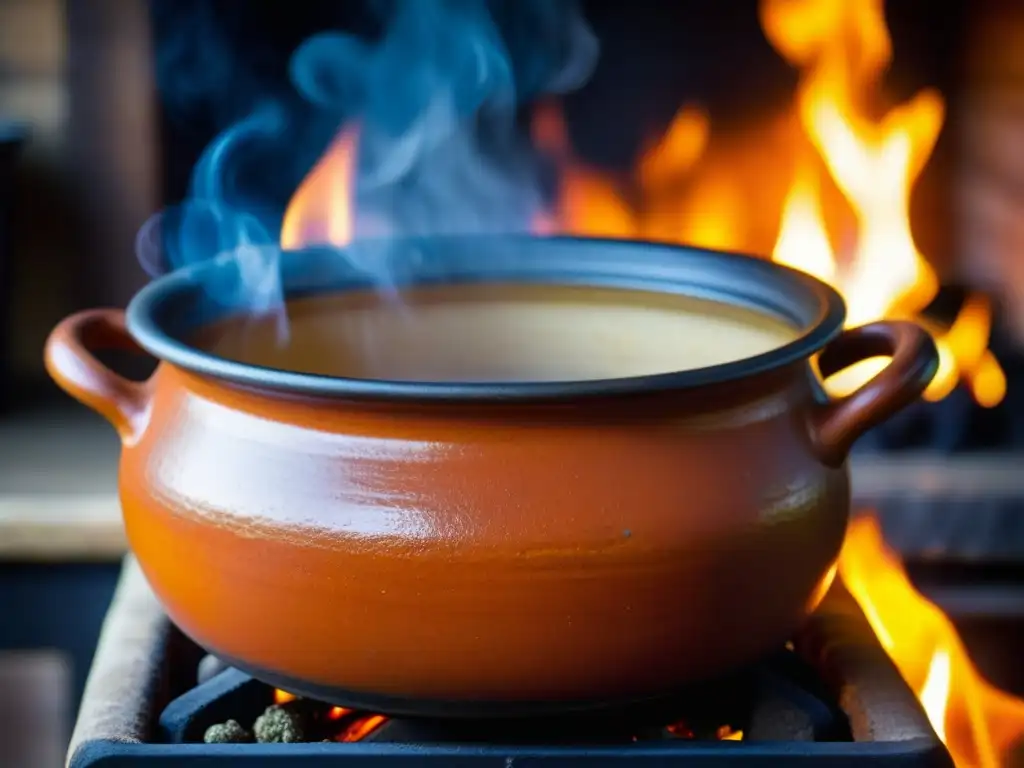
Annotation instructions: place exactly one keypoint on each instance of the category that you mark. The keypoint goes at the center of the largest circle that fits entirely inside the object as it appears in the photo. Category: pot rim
(162, 316)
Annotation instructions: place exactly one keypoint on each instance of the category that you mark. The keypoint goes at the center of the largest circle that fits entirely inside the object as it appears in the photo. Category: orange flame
(974, 362)
(670, 159)
(360, 729)
(978, 723)
(726, 733)
(689, 188)
(693, 187)
(681, 730)
(686, 190)
(588, 204)
(841, 46)
(321, 210)
(803, 242)
(283, 697)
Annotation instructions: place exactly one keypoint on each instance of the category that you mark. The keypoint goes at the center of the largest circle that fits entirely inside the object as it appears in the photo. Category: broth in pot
(499, 333)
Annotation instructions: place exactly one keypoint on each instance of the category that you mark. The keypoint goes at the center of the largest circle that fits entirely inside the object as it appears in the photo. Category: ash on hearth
(293, 720)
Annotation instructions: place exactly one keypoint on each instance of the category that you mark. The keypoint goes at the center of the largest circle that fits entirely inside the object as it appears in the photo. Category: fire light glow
(361, 728)
(841, 47)
(321, 210)
(979, 724)
(691, 188)
(680, 192)
(283, 697)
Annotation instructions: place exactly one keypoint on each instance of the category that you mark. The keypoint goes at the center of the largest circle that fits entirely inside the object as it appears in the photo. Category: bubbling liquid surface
(499, 333)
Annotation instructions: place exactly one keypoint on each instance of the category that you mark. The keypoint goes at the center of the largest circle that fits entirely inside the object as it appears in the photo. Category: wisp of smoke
(440, 152)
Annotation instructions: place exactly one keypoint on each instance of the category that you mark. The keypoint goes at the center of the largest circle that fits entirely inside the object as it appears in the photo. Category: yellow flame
(876, 173)
(726, 733)
(674, 155)
(283, 697)
(321, 210)
(360, 729)
(841, 47)
(978, 723)
(989, 382)
(690, 186)
(963, 354)
(709, 218)
(934, 693)
(803, 242)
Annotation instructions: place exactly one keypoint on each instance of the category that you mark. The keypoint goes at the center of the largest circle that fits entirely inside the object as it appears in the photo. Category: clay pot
(473, 549)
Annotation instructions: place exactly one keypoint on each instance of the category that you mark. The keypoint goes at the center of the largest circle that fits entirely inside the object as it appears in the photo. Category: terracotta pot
(499, 549)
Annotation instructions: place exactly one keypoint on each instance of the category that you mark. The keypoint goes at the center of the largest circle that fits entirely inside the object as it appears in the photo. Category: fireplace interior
(691, 129)
(685, 132)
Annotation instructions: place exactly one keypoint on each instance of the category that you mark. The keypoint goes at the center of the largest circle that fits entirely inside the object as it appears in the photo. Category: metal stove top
(831, 698)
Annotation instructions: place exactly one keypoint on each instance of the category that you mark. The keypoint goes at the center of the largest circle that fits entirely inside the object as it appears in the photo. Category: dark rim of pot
(167, 313)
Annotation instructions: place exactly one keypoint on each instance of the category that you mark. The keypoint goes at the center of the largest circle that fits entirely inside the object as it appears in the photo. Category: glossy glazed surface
(550, 554)
(489, 553)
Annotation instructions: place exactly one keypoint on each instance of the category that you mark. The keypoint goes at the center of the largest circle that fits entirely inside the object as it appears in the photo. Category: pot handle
(915, 359)
(69, 360)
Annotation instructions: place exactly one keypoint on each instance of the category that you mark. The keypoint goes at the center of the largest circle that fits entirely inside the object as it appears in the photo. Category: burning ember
(978, 723)
(283, 697)
(361, 728)
(682, 730)
(293, 719)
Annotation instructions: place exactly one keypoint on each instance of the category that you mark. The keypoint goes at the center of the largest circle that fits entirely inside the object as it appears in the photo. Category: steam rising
(440, 151)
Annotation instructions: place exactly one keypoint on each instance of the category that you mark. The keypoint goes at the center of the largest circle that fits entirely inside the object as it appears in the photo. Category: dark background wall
(108, 148)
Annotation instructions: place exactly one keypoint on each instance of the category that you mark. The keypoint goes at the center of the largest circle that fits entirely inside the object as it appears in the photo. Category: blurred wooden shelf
(61, 527)
(967, 508)
(58, 486)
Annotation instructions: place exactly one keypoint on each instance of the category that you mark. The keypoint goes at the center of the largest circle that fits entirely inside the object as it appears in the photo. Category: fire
(589, 203)
(803, 242)
(682, 730)
(691, 187)
(360, 729)
(841, 47)
(334, 713)
(978, 723)
(321, 211)
(283, 697)
(726, 733)
(356, 730)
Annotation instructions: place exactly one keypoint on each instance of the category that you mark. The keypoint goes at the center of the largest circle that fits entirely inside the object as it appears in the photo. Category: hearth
(830, 697)
(943, 479)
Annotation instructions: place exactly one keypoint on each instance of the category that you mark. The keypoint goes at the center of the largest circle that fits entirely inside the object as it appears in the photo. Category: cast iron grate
(833, 698)
(778, 700)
